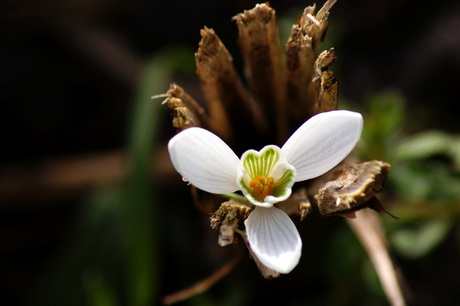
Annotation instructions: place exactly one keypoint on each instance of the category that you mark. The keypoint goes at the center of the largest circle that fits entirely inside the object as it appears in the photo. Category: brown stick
(61, 178)
(203, 285)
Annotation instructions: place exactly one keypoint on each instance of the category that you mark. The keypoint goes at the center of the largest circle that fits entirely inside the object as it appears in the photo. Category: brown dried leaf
(307, 88)
(261, 52)
(350, 187)
(316, 26)
(225, 94)
(323, 89)
(329, 92)
(323, 62)
(300, 57)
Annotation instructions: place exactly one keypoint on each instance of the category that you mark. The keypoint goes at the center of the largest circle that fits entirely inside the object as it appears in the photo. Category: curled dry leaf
(351, 187)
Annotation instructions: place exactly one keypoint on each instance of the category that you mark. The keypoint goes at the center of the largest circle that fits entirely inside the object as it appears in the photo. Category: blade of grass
(140, 211)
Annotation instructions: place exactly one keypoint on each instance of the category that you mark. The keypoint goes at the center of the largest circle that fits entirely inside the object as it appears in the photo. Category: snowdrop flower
(266, 177)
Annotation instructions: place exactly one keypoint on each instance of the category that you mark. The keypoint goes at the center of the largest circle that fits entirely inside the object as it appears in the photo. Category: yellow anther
(261, 186)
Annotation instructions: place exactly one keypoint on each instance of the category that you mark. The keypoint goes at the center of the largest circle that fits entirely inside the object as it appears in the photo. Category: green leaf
(426, 180)
(419, 241)
(454, 152)
(100, 293)
(423, 145)
(411, 182)
(139, 205)
(139, 209)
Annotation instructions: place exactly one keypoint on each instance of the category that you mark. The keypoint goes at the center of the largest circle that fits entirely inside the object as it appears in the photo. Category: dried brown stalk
(329, 87)
(227, 99)
(263, 67)
(323, 89)
(321, 21)
(203, 285)
(186, 112)
(368, 229)
(299, 58)
(330, 91)
(301, 52)
(56, 179)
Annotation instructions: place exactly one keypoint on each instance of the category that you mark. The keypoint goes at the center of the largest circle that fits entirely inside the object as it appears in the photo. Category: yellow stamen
(261, 186)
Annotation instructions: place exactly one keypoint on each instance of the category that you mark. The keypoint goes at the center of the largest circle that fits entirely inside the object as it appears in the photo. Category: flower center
(265, 177)
(262, 186)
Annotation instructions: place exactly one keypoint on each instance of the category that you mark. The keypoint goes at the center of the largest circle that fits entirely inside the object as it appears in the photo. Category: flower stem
(241, 199)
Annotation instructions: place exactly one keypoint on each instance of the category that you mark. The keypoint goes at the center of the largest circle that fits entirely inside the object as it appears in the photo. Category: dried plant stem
(226, 96)
(264, 70)
(367, 228)
(105, 50)
(299, 58)
(324, 11)
(324, 86)
(61, 178)
(186, 111)
(311, 89)
(203, 285)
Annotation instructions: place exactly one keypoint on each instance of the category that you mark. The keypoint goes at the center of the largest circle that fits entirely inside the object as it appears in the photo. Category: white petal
(322, 142)
(274, 238)
(204, 160)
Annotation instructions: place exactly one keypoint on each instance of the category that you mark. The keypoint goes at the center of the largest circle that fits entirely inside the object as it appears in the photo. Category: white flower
(266, 177)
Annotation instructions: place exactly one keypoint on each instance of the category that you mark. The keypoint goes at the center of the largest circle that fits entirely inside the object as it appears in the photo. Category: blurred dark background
(69, 82)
